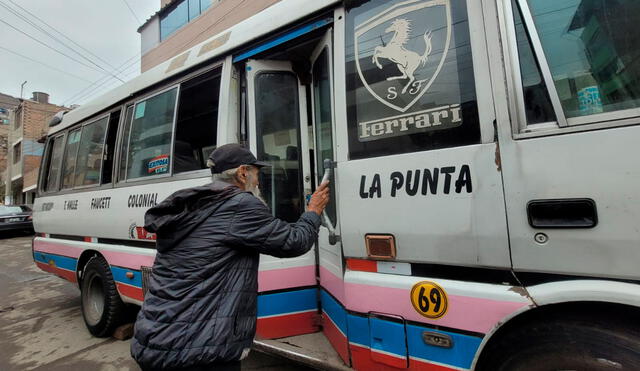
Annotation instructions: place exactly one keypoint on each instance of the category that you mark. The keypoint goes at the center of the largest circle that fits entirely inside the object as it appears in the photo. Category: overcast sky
(106, 28)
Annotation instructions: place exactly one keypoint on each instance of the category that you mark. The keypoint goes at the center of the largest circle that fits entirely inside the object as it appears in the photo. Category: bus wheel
(565, 345)
(102, 308)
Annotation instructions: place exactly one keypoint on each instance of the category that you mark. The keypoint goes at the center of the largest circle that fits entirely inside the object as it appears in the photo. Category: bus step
(312, 350)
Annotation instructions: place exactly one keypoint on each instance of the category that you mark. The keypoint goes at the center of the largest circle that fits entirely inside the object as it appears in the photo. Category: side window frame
(176, 86)
(99, 183)
(44, 171)
(563, 124)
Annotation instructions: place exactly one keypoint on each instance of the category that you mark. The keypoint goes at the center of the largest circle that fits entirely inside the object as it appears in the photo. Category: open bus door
(277, 129)
(300, 148)
(329, 245)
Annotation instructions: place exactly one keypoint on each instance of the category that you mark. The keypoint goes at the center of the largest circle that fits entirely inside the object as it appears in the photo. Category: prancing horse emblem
(389, 55)
(406, 60)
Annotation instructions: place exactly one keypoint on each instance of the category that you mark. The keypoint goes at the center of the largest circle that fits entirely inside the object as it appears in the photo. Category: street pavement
(41, 326)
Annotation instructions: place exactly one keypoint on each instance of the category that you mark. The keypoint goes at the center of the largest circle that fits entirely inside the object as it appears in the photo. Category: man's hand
(319, 199)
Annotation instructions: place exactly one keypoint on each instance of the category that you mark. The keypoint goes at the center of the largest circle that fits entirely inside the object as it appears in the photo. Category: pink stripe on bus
(278, 279)
(332, 283)
(466, 313)
(126, 260)
(58, 249)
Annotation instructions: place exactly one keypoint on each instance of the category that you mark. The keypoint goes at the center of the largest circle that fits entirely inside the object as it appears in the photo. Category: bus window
(110, 146)
(69, 162)
(124, 146)
(537, 104)
(410, 80)
(593, 51)
(277, 123)
(89, 160)
(149, 148)
(197, 122)
(322, 110)
(52, 179)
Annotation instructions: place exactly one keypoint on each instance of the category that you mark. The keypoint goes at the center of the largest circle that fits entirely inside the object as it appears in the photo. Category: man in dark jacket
(200, 310)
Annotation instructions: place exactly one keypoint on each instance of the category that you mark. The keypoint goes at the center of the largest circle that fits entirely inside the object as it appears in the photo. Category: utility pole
(22, 88)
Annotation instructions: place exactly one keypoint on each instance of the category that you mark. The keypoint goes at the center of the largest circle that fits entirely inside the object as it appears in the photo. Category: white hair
(228, 176)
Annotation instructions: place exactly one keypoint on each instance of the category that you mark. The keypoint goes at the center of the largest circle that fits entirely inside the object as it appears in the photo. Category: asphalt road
(41, 327)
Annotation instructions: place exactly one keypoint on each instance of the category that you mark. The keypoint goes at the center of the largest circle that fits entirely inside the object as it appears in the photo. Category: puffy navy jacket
(201, 303)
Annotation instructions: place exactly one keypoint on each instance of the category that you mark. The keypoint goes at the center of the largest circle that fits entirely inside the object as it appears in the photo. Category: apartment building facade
(7, 105)
(181, 24)
(29, 124)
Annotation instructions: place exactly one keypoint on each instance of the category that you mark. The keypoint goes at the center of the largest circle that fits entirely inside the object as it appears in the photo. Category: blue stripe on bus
(287, 302)
(334, 310)
(60, 261)
(282, 39)
(120, 275)
(460, 355)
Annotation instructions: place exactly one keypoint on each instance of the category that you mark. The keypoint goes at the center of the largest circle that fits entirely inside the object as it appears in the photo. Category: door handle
(326, 222)
(562, 213)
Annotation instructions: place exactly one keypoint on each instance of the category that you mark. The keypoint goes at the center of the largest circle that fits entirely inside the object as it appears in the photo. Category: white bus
(485, 206)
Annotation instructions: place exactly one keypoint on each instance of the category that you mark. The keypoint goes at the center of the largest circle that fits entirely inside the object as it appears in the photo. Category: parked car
(15, 218)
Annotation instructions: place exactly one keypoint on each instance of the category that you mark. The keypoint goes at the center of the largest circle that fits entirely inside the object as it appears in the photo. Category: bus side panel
(375, 302)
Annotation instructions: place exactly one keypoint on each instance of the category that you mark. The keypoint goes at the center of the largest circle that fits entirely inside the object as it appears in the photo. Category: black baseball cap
(230, 156)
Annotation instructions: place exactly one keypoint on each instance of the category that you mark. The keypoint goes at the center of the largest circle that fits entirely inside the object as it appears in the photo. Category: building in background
(29, 123)
(181, 24)
(7, 105)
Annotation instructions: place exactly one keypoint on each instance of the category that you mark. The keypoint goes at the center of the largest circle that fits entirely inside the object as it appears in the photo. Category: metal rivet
(541, 238)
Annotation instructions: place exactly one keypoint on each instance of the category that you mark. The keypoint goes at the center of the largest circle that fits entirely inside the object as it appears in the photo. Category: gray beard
(255, 190)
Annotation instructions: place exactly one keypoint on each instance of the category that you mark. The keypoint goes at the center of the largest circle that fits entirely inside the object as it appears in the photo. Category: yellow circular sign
(429, 299)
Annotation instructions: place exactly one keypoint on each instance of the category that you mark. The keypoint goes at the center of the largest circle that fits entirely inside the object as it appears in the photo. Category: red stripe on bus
(130, 291)
(336, 338)
(286, 325)
(66, 274)
(362, 265)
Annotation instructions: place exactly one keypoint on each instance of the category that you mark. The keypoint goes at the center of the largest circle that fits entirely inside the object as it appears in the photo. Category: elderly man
(200, 310)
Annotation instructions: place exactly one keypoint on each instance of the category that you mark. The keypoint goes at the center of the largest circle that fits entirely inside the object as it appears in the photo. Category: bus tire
(102, 308)
(565, 344)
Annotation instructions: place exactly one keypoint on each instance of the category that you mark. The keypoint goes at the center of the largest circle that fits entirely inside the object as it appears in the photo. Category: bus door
(277, 132)
(329, 245)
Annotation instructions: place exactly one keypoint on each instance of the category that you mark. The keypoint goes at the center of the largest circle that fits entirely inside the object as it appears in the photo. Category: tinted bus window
(149, 151)
(409, 75)
(52, 180)
(124, 146)
(69, 163)
(89, 162)
(593, 50)
(197, 122)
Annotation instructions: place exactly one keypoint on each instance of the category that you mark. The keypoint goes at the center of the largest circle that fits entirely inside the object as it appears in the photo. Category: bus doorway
(290, 123)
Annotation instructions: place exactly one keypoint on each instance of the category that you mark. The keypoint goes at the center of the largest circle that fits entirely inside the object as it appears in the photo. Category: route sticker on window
(158, 165)
(140, 108)
(429, 299)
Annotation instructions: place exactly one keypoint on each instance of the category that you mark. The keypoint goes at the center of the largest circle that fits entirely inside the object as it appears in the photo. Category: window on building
(427, 101)
(593, 51)
(90, 150)
(17, 151)
(149, 148)
(180, 14)
(70, 155)
(197, 122)
(55, 151)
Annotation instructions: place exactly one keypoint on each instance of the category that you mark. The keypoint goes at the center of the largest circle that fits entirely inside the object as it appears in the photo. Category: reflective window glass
(593, 50)
(89, 161)
(124, 144)
(204, 5)
(149, 151)
(278, 126)
(55, 156)
(322, 112)
(409, 76)
(537, 104)
(69, 163)
(194, 8)
(173, 20)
